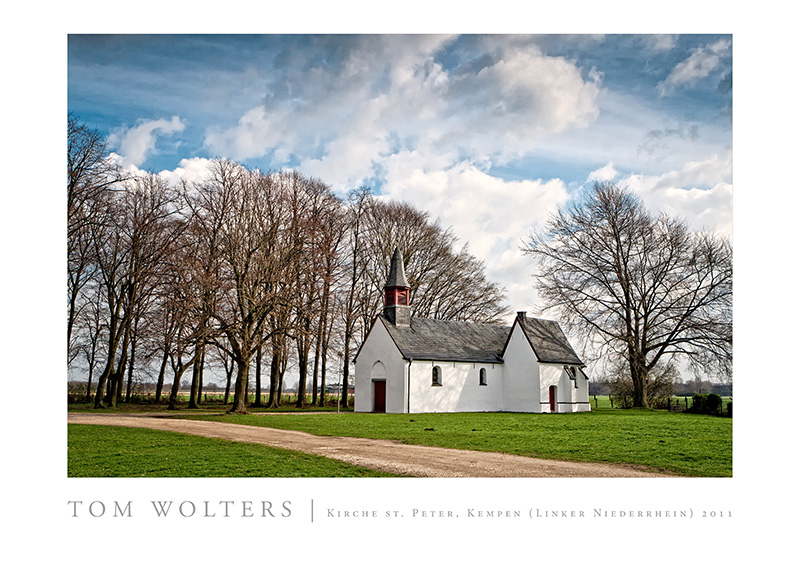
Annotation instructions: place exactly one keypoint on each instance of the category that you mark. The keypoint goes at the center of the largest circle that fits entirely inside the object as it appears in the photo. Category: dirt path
(384, 455)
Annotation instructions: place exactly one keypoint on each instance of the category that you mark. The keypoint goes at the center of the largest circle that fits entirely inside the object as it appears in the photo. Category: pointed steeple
(396, 293)
(397, 271)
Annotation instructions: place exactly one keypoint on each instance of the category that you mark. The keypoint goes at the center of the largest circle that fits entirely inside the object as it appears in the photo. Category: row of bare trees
(242, 267)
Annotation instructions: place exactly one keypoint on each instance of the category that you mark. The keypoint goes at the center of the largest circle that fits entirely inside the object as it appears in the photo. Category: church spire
(397, 272)
(396, 293)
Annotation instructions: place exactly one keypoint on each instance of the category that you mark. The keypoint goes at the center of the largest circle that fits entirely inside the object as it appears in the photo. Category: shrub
(706, 404)
(660, 384)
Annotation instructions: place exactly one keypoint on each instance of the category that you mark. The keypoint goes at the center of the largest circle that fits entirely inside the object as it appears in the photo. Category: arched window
(483, 376)
(436, 375)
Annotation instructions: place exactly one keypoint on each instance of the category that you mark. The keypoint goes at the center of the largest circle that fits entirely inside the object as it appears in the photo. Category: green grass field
(108, 451)
(686, 444)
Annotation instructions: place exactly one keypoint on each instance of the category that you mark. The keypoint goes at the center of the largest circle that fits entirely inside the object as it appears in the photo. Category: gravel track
(384, 455)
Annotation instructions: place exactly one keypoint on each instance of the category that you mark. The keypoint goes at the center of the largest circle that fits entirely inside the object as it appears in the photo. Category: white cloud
(701, 193)
(701, 63)
(136, 143)
(493, 216)
(190, 170)
(606, 173)
(660, 42)
(389, 95)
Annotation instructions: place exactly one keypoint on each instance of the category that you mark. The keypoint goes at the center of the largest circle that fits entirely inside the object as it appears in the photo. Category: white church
(416, 365)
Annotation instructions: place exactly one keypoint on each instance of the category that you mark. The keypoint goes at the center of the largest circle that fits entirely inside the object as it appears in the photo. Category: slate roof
(548, 341)
(449, 340)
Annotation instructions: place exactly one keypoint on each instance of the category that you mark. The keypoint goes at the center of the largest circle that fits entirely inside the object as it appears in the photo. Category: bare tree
(640, 287)
(91, 323)
(130, 248)
(90, 176)
(446, 283)
(248, 211)
(355, 287)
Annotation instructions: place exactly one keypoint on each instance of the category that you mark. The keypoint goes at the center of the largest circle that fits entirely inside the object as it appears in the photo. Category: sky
(488, 133)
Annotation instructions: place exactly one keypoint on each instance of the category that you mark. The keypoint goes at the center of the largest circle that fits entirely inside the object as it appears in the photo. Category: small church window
(437, 376)
(572, 374)
(482, 375)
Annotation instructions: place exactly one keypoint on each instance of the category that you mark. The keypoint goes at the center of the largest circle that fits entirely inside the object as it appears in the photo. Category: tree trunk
(257, 402)
(91, 372)
(108, 371)
(161, 373)
(116, 379)
(274, 375)
(322, 379)
(229, 377)
(639, 378)
(345, 368)
(315, 375)
(240, 389)
(130, 369)
(302, 361)
(200, 375)
(197, 368)
(176, 386)
(101, 384)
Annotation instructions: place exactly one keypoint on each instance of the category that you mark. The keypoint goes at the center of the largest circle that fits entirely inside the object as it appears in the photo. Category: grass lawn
(686, 444)
(108, 451)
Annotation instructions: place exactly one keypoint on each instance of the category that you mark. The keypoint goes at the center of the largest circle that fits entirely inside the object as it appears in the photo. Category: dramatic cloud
(136, 143)
(389, 94)
(492, 215)
(489, 133)
(700, 64)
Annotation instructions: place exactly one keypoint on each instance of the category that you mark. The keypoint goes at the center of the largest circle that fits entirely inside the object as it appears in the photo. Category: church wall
(570, 399)
(379, 358)
(460, 389)
(521, 375)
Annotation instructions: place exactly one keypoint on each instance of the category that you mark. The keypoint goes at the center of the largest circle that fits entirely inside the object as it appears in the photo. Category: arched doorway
(553, 399)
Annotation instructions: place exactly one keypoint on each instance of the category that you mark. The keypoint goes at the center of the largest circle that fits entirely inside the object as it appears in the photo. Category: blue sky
(490, 133)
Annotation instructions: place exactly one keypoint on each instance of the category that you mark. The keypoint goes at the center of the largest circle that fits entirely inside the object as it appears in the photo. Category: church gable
(548, 341)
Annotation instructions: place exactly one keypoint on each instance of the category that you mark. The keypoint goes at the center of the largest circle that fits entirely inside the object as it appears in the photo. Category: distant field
(108, 451)
(693, 445)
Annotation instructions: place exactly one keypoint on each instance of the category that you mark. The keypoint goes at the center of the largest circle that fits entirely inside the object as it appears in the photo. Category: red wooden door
(553, 405)
(379, 401)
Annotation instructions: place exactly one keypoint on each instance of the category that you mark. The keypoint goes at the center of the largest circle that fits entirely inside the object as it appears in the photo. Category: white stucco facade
(518, 382)
(380, 360)
(460, 390)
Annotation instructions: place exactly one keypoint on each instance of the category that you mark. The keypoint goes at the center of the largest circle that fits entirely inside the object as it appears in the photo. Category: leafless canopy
(640, 287)
(250, 262)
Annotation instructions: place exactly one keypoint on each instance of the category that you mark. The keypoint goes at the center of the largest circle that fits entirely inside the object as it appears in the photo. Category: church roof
(449, 340)
(548, 341)
(457, 341)
(397, 272)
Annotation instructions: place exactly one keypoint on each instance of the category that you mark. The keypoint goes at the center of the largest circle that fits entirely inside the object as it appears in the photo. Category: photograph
(345, 283)
(343, 236)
